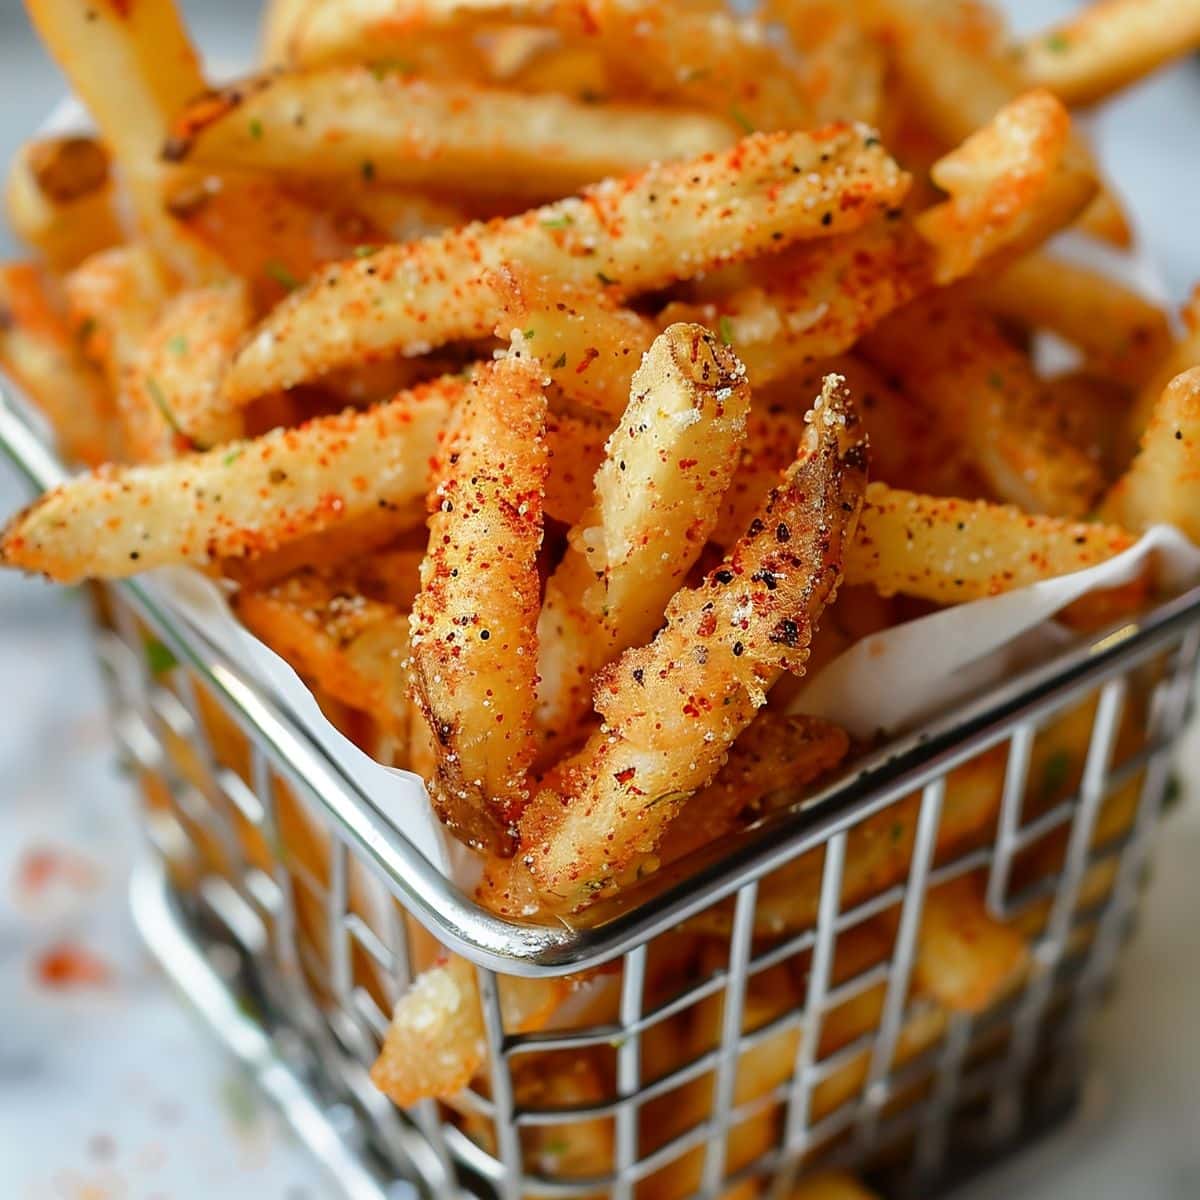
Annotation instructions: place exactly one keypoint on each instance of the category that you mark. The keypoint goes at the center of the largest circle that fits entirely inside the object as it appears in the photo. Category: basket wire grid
(274, 883)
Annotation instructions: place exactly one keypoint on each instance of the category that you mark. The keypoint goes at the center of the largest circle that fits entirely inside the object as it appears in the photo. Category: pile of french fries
(561, 380)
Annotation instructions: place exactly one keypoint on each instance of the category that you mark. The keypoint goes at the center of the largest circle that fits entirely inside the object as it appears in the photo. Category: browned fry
(775, 753)
(1122, 334)
(353, 648)
(39, 353)
(673, 708)
(589, 346)
(981, 387)
(237, 501)
(1182, 356)
(474, 621)
(950, 551)
(631, 235)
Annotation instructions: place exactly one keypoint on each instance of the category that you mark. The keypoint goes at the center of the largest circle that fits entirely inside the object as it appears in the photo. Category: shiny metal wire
(324, 945)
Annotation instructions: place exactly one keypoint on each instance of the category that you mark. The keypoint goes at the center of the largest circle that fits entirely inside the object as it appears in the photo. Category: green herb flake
(393, 66)
(159, 658)
(86, 328)
(741, 118)
(256, 129)
(282, 276)
(897, 832)
(604, 279)
(160, 402)
(1173, 793)
(368, 170)
(527, 334)
(232, 457)
(725, 328)
(559, 222)
(1055, 773)
(178, 345)
(1057, 43)
(560, 361)
(995, 380)
(365, 251)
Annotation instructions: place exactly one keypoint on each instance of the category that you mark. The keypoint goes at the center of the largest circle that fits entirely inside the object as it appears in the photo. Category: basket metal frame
(365, 839)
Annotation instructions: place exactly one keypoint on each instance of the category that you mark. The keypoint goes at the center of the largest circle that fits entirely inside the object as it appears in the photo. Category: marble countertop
(109, 1090)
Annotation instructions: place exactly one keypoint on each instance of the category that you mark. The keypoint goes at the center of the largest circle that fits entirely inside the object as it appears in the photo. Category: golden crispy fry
(983, 388)
(1163, 484)
(474, 621)
(171, 401)
(964, 959)
(576, 451)
(1109, 45)
(587, 345)
(1012, 183)
(775, 753)
(353, 648)
(237, 501)
(59, 199)
(631, 235)
(1092, 411)
(951, 551)
(1182, 356)
(133, 66)
(656, 492)
(1121, 333)
(437, 1042)
(355, 122)
(39, 353)
(673, 708)
(578, 1149)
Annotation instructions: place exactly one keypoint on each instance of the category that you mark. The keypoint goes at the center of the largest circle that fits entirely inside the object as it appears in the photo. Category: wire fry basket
(726, 1034)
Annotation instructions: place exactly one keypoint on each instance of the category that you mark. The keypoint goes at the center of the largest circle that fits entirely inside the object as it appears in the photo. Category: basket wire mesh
(272, 878)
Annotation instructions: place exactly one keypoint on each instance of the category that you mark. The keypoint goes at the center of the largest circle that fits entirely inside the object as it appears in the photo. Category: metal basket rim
(517, 948)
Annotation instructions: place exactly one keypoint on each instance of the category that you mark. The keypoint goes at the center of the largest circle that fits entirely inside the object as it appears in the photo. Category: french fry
(354, 648)
(1182, 356)
(980, 385)
(767, 191)
(965, 960)
(775, 753)
(1092, 411)
(437, 1043)
(950, 551)
(1120, 332)
(133, 66)
(673, 708)
(38, 351)
(356, 122)
(587, 345)
(474, 621)
(237, 501)
(667, 462)
(171, 399)
(1109, 45)
(576, 448)
(1163, 484)
(59, 199)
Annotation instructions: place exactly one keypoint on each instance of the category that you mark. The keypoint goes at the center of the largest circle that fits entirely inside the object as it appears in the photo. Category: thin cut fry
(171, 401)
(474, 621)
(351, 647)
(667, 463)
(632, 235)
(38, 351)
(673, 708)
(355, 122)
(59, 199)
(951, 551)
(1163, 484)
(1109, 45)
(237, 501)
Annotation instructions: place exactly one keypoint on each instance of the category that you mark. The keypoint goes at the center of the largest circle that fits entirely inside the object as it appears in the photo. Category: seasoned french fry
(171, 400)
(437, 1043)
(587, 345)
(1163, 484)
(474, 621)
(776, 752)
(1121, 333)
(237, 501)
(59, 199)
(38, 351)
(655, 504)
(355, 122)
(133, 66)
(951, 551)
(980, 385)
(965, 960)
(1182, 356)
(1109, 45)
(767, 191)
(673, 708)
(576, 449)
(353, 648)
